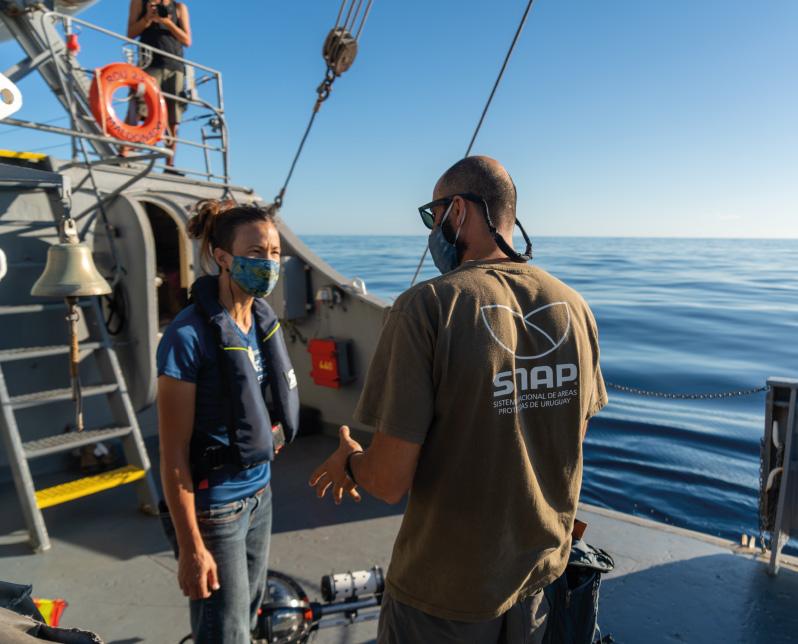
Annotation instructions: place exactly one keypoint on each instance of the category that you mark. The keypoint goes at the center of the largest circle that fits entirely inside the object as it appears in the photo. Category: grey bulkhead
(158, 265)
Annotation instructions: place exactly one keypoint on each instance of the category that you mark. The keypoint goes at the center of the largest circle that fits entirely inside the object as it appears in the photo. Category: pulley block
(339, 51)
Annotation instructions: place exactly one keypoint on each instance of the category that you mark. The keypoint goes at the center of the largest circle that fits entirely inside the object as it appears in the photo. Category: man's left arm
(385, 470)
(182, 34)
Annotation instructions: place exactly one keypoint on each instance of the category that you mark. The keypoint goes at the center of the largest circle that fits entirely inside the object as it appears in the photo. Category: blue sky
(622, 118)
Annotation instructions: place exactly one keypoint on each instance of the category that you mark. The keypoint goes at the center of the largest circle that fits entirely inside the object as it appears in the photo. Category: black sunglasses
(427, 214)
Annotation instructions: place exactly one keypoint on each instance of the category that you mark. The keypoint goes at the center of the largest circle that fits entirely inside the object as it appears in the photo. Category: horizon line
(675, 237)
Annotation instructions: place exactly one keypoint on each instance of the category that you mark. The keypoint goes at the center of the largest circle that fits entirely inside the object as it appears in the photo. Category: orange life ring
(107, 80)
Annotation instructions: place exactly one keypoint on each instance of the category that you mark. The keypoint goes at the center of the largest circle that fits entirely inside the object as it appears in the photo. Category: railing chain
(737, 393)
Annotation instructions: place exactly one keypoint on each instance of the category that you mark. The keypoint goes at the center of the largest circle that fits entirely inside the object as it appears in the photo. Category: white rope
(420, 264)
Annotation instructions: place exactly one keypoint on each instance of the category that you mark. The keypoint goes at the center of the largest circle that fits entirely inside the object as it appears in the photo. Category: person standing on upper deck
(480, 389)
(165, 25)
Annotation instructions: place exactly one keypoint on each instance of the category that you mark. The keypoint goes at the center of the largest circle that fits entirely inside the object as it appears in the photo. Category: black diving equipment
(289, 617)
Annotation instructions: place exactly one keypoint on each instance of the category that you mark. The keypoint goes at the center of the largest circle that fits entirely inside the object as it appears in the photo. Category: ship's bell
(70, 272)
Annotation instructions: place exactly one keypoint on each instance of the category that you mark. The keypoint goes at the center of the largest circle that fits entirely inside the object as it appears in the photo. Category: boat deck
(115, 569)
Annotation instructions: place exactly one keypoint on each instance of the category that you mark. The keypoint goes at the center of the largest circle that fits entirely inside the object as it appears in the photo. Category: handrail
(214, 112)
(214, 72)
(187, 172)
(53, 129)
(201, 146)
(114, 34)
(111, 161)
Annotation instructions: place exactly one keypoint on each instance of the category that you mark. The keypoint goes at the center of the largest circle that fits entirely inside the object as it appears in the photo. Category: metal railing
(213, 132)
(778, 494)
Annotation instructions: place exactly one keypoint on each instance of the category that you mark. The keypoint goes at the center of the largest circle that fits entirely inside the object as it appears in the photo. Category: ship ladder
(125, 425)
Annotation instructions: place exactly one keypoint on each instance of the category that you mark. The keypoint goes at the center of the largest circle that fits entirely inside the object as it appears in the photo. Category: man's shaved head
(487, 178)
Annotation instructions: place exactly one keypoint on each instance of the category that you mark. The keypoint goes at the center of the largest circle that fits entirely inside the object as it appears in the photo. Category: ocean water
(674, 315)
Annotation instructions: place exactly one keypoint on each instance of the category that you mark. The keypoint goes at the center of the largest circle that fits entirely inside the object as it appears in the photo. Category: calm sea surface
(674, 316)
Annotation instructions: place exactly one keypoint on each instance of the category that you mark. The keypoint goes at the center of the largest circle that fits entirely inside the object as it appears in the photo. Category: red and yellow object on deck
(51, 609)
(332, 362)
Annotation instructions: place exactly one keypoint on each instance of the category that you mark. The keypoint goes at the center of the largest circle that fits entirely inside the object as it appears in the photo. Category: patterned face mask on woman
(444, 253)
(255, 276)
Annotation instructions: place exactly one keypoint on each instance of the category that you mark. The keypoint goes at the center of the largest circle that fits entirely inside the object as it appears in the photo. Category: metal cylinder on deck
(350, 585)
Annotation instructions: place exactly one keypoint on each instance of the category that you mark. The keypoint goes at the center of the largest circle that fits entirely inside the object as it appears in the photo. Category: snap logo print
(531, 336)
(534, 324)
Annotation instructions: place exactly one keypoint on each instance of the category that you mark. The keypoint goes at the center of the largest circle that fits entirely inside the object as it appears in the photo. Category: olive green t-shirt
(494, 369)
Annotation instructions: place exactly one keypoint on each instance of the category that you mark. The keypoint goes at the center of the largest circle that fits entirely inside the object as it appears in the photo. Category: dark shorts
(171, 81)
(524, 623)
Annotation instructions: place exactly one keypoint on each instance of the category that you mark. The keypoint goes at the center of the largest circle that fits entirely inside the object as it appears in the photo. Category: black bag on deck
(17, 597)
(573, 597)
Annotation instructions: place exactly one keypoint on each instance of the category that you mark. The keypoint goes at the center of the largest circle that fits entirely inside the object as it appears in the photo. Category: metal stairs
(124, 427)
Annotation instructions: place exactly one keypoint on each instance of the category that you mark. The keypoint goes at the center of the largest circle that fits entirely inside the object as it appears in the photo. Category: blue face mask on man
(255, 276)
(444, 253)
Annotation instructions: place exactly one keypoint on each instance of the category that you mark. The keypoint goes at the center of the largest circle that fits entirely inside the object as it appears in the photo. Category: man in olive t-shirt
(480, 390)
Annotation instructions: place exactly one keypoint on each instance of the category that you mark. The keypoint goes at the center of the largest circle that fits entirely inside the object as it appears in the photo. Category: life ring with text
(107, 80)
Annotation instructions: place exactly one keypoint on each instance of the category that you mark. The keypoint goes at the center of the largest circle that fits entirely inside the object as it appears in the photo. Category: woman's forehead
(260, 233)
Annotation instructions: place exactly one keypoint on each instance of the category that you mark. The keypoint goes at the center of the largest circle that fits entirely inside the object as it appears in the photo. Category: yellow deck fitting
(89, 485)
(27, 156)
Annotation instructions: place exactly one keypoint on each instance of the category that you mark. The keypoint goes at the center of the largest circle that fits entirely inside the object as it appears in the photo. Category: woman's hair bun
(201, 225)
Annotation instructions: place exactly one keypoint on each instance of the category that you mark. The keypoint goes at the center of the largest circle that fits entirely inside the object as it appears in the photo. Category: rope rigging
(499, 77)
(339, 52)
(484, 112)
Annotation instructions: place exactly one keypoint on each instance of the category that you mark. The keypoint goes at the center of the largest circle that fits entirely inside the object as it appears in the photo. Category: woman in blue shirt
(221, 506)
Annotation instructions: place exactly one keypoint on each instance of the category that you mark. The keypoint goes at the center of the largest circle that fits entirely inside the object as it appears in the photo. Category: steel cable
(499, 77)
(363, 20)
(340, 13)
(278, 200)
(349, 14)
(50, 122)
(48, 147)
(350, 27)
(484, 113)
(323, 91)
(618, 387)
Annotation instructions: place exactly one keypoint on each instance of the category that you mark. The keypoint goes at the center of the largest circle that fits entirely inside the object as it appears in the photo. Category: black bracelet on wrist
(348, 465)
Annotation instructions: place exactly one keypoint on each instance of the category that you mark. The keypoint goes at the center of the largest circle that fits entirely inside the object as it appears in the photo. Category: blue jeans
(237, 534)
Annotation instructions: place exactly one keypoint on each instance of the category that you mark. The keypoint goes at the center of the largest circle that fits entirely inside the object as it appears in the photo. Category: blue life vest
(250, 426)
